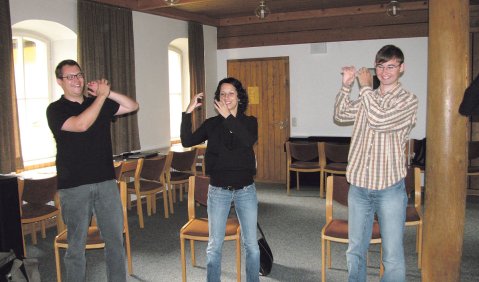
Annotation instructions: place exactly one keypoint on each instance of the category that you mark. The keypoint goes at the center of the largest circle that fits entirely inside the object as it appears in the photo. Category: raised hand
(364, 77)
(349, 74)
(99, 87)
(195, 102)
(222, 109)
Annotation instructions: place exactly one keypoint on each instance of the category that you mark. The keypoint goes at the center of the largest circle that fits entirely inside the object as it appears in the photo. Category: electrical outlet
(293, 121)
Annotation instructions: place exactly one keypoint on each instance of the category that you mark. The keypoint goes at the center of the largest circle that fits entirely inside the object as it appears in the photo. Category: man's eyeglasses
(388, 67)
(73, 76)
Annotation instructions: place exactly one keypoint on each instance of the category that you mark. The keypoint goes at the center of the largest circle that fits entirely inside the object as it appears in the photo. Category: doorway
(267, 82)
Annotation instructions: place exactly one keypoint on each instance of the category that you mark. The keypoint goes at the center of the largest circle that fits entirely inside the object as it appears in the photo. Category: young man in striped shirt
(383, 119)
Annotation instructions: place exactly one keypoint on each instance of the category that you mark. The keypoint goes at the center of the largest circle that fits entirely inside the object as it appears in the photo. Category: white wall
(315, 78)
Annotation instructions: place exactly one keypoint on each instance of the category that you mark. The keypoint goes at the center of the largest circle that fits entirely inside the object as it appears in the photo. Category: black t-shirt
(229, 156)
(82, 157)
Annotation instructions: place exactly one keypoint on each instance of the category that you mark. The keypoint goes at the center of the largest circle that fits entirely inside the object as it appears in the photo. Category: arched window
(176, 91)
(32, 82)
(179, 84)
(38, 46)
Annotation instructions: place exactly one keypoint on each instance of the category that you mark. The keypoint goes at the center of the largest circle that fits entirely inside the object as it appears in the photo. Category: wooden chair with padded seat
(94, 240)
(302, 157)
(336, 229)
(181, 165)
(196, 229)
(35, 196)
(414, 209)
(334, 159)
(149, 180)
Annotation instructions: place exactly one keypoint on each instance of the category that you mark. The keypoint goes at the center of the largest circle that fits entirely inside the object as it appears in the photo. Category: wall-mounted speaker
(319, 48)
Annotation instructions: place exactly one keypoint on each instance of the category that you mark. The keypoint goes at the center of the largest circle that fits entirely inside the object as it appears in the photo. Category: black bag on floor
(17, 269)
(266, 256)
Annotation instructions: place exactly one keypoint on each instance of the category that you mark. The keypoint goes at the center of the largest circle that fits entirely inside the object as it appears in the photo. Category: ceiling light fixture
(171, 2)
(262, 11)
(392, 9)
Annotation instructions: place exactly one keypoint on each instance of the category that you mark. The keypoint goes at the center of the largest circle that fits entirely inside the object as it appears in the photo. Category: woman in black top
(230, 163)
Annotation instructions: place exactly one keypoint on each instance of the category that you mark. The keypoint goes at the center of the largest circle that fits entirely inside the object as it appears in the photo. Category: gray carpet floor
(292, 226)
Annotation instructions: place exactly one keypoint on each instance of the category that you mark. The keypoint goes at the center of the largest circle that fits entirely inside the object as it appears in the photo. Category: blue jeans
(246, 206)
(78, 204)
(390, 206)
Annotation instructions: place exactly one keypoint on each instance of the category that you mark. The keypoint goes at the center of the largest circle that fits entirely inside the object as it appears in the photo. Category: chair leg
(381, 266)
(128, 252)
(238, 259)
(323, 261)
(34, 233)
(57, 263)
(173, 189)
(192, 251)
(165, 203)
(149, 200)
(321, 184)
(328, 252)
(128, 201)
(183, 259)
(297, 180)
(288, 184)
(181, 192)
(43, 228)
(419, 245)
(153, 203)
(139, 210)
(170, 199)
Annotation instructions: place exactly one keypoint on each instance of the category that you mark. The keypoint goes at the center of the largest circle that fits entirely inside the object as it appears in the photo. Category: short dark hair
(389, 52)
(242, 94)
(58, 69)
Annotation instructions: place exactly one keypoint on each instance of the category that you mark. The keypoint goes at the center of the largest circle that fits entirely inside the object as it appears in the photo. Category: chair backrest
(302, 151)
(336, 152)
(198, 193)
(38, 191)
(183, 161)
(413, 184)
(337, 190)
(153, 168)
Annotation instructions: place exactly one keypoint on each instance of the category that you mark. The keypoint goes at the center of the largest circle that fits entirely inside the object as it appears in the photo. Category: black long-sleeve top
(470, 103)
(229, 156)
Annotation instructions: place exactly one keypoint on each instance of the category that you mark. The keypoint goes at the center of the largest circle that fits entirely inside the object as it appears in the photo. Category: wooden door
(267, 83)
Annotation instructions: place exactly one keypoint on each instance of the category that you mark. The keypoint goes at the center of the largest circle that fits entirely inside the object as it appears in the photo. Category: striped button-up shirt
(382, 124)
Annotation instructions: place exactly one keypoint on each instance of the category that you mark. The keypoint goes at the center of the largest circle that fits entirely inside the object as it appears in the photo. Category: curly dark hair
(242, 94)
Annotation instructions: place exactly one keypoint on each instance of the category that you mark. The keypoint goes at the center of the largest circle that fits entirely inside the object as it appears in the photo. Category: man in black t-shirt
(86, 178)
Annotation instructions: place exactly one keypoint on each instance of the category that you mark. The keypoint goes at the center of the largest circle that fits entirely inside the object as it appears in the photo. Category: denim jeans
(390, 206)
(78, 204)
(246, 206)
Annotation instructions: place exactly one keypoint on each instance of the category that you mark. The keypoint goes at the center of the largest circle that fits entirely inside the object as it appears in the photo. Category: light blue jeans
(390, 206)
(78, 204)
(246, 206)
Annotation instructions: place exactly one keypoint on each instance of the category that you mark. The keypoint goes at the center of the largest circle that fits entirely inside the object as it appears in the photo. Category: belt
(232, 188)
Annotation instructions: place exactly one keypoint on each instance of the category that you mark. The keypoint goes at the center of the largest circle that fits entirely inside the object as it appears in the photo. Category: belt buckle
(230, 188)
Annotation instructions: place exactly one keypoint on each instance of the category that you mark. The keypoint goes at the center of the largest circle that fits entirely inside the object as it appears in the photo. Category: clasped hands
(363, 75)
(99, 88)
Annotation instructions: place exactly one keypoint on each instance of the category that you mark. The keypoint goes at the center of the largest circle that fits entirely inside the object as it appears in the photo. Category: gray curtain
(196, 51)
(105, 50)
(10, 148)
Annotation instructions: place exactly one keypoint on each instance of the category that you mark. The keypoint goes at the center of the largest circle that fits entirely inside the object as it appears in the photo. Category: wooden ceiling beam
(330, 35)
(278, 17)
(133, 5)
(148, 5)
(406, 17)
(185, 16)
